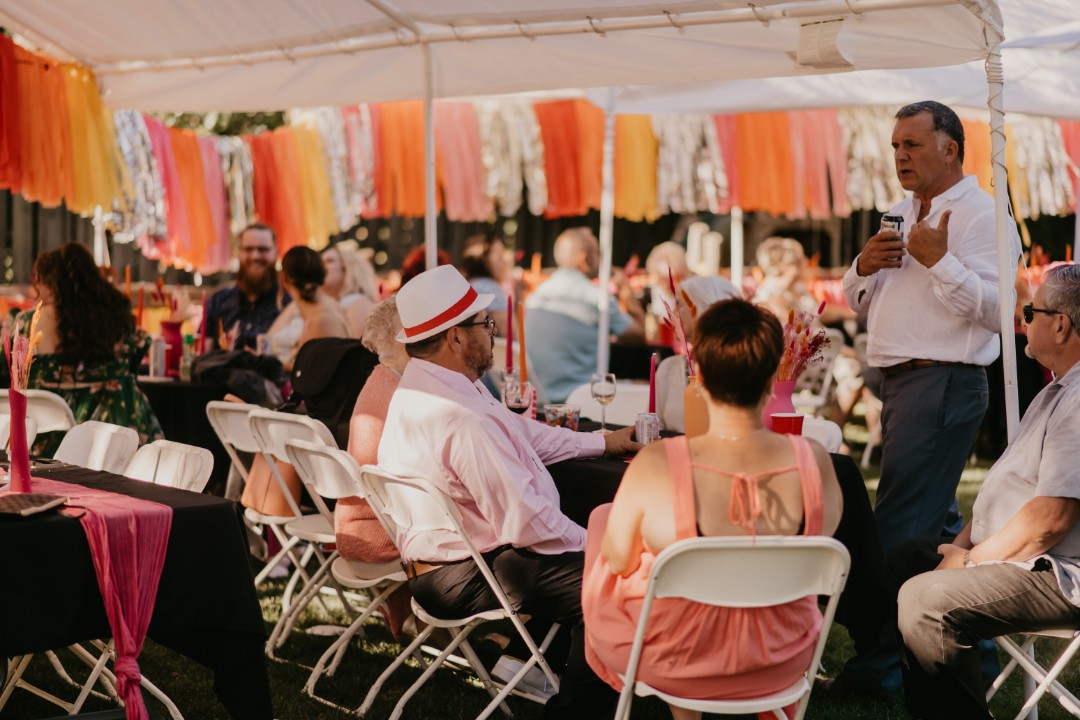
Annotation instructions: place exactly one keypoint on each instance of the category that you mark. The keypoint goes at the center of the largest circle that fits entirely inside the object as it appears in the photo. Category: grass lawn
(451, 694)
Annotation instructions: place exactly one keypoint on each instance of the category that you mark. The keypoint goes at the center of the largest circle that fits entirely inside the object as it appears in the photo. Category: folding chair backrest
(272, 429)
(420, 506)
(98, 446)
(327, 472)
(50, 411)
(5, 430)
(771, 570)
(230, 423)
(174, 464)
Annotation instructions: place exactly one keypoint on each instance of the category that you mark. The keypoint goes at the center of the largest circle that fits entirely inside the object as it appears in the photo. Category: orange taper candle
(521, 343)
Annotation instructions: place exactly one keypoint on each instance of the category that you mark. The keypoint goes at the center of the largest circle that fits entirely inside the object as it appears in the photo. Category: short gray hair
(1062, 292)
(383, 325)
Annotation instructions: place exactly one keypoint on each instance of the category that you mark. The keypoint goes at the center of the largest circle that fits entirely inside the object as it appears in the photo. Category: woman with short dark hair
(737, 479)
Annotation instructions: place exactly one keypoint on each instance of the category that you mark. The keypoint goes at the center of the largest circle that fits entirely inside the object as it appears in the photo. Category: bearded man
(445, 427)
(250, 306)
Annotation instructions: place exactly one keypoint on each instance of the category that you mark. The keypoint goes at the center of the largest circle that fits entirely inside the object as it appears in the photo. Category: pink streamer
(127, 538)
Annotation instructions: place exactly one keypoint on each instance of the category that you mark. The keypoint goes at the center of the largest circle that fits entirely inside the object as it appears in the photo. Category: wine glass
(517, 396)
(602, 387)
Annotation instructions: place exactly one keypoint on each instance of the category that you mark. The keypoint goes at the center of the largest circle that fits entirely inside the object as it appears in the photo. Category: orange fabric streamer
(321, 220)
(725, 134)
(635, 168)
(977, 153)
(11, 169)
(591, 127)
(402, 143)
(1070, 134)
(765, 173)
(292, 229)
(559, 132)
(188, 157)
(43, 118)
(96, 174)
(264, 177)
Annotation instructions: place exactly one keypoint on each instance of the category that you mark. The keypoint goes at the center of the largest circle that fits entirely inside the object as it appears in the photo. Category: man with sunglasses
(1016, 566)
(445, 427)
(932, 297)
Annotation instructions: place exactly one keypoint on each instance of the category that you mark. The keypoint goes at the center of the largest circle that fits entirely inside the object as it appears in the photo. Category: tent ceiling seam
(353, 44)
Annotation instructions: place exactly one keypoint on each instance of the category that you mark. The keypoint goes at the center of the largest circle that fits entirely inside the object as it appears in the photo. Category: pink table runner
(127, 539)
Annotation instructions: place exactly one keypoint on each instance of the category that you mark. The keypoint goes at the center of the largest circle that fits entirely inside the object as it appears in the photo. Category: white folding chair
(98, 446)
(230, 423)
(334, 473)
(1023, 656)
(873, 415)
(825, 432)
(419, 505)
(772, 571)
(631, 398)
(50, 411)
(814, 387)
(271, 430)
(175, 464)
(5, 430)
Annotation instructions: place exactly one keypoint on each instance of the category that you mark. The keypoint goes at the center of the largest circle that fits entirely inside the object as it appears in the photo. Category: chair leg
(373, 691)
(498, 699)
(288, 619)
(460, 635)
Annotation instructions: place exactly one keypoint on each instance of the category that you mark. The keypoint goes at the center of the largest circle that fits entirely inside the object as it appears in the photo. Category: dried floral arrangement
(673, 320)
(19, 351)
(803, 344)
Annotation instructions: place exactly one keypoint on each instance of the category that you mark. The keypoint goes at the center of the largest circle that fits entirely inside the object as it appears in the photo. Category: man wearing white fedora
(445, 427)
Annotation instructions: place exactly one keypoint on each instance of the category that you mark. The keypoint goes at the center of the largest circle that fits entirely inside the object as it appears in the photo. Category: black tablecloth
(181, 409)
(206, 607)
(631, 362)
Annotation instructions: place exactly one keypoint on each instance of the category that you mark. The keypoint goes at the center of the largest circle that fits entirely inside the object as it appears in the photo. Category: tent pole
(607, 221)
(737, 247)
(431, 241)
(1006, 263)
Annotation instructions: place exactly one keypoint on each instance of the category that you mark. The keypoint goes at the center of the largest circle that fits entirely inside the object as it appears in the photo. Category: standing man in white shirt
(932, 297)
(444, 426)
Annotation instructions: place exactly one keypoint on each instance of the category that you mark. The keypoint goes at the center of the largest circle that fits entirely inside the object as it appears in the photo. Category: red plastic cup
(787, 423)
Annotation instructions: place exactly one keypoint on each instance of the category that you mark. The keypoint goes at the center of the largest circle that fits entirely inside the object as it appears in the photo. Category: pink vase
(780, 402)
(695, 410)
(174, 347)
(18, 454)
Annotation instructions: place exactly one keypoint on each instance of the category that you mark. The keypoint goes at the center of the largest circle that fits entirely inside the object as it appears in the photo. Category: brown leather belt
(915, 365)
(416, 568)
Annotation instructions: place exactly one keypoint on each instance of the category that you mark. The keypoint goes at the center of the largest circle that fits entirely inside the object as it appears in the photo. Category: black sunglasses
(1030, 310)
(489, 324)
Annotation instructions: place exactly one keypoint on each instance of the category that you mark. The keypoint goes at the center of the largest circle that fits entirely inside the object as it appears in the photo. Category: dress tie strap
(745, 505)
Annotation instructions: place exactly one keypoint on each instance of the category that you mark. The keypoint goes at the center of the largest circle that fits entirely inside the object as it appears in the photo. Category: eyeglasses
(489, 325)
(1030, 310)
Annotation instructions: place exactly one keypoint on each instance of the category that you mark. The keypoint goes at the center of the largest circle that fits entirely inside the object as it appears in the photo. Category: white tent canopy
(1041, 58)
(203, 55)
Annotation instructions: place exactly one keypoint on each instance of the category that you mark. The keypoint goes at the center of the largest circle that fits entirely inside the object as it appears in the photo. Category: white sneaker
(535, 681)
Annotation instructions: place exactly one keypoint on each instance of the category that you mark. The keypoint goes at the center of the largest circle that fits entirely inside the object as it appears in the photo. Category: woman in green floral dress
(89, 350)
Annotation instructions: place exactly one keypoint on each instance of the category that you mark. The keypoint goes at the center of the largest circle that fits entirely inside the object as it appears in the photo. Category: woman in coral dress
(738, 479)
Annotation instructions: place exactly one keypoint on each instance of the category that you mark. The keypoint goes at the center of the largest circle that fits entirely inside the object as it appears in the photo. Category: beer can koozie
(892, 223)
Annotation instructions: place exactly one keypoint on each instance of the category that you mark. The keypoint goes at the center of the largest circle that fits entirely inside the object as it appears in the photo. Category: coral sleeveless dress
(693, 650)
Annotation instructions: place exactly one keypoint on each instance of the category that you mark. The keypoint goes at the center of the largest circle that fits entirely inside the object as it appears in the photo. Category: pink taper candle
(509, 335)
(652, 382)
(138, 312)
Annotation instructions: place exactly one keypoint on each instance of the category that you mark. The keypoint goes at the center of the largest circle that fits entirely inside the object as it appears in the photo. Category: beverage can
(647, 428)
(262, 344)
(158, 348)
(892, 223)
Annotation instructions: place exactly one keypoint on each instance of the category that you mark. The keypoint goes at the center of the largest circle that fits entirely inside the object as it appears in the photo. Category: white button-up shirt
(490, 461)
(948, 312)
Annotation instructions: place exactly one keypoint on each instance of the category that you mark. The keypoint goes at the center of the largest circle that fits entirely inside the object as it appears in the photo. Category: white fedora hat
(435, 300)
